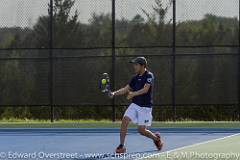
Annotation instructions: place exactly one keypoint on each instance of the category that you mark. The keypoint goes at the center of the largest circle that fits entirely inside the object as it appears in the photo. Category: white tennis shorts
(141, 116)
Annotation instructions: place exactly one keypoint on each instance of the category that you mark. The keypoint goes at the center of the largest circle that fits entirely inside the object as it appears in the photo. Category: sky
(24, 13)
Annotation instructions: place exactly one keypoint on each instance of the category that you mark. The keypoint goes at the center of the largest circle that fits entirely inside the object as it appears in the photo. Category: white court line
(196, 144)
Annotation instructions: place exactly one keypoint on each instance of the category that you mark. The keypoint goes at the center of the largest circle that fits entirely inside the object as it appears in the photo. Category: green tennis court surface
(226, 148)
(109, 124)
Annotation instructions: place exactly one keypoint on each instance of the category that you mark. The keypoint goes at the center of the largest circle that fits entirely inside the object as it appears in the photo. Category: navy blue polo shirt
(137, 83)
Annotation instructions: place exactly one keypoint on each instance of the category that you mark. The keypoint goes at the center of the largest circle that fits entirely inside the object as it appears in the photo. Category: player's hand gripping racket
(105, 84)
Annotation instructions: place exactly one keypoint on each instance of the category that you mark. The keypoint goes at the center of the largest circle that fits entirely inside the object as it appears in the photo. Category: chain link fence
(53, 52)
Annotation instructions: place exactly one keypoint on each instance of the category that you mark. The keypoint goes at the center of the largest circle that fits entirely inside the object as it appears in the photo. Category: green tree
(155, 30)
(67, 31)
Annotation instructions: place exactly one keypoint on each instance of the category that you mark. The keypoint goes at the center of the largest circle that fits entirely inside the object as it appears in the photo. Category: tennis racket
(104, 84)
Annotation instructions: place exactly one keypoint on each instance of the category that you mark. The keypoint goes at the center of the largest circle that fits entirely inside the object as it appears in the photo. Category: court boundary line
(192, 145)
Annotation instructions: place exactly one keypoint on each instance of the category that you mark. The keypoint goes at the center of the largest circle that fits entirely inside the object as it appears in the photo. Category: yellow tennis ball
(104, 81)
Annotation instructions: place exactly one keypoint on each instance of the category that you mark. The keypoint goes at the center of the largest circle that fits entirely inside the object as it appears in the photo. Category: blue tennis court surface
(86, 143)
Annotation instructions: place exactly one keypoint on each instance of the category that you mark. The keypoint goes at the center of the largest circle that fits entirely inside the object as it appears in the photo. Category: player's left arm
(142, 91)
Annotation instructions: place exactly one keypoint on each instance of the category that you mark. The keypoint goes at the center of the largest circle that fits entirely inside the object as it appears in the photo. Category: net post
(174, 62)
(50, 83)
(113, 60)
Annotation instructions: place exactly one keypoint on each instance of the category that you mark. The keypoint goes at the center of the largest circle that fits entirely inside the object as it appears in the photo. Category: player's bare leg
(143, 131)
(123, 131)
(155, 137)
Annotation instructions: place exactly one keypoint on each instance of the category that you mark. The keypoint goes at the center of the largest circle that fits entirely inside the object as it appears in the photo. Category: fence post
(113, 59)
(50, 77)
(174, 62)
(239, 64)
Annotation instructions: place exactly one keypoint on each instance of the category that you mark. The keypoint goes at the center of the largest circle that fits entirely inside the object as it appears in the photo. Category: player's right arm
(122, 91)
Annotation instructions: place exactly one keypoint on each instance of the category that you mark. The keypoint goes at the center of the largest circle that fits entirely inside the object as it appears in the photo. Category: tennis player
(139, 90)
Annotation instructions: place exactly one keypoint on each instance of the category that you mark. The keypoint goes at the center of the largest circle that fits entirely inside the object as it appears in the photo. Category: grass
(226, 148)
(17, 123)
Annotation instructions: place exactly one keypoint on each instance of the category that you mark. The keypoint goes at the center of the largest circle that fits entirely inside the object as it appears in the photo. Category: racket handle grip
(110, 94)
